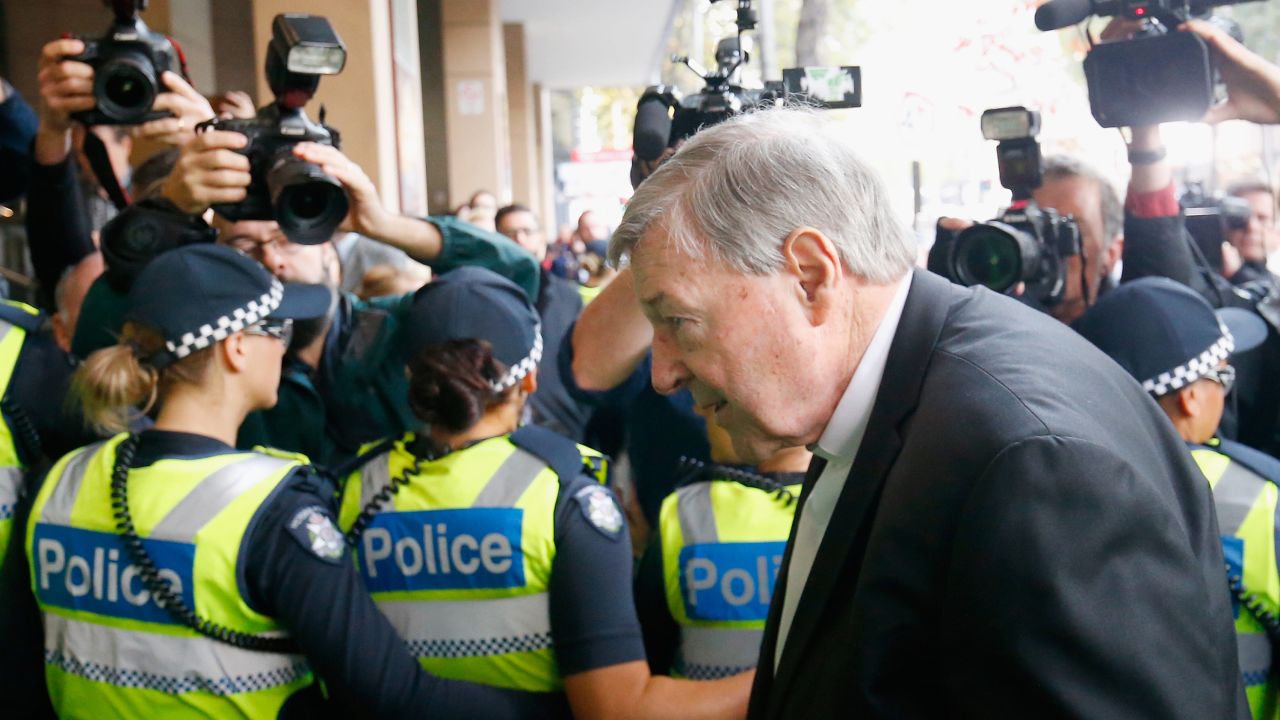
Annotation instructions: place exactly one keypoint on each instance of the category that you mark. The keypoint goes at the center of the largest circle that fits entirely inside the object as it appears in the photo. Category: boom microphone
(1057, 14)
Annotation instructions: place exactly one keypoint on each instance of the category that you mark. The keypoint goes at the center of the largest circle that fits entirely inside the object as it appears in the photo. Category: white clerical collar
(843, 434)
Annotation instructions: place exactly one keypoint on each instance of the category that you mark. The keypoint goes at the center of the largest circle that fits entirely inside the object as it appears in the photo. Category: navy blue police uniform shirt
(304, 578)
(660, 429)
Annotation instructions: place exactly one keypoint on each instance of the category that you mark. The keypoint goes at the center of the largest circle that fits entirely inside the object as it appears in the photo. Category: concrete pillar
(361, 100)
(434, 117)
(235, 67)
(522, 118)
(545, 168)
(475, 99)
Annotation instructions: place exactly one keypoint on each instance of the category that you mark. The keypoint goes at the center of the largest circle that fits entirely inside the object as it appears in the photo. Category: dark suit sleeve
(1078, 589)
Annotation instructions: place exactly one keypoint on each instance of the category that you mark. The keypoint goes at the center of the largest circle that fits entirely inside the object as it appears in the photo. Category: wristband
(1146, 157)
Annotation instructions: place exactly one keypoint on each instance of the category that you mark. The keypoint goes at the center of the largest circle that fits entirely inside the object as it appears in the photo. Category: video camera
(306, 202)
(663, 118)
(1158, 75)
(127, 64)
(1209, 218)
(1026, 244)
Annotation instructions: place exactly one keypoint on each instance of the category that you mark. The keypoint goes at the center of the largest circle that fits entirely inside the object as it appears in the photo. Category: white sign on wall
(470, 97)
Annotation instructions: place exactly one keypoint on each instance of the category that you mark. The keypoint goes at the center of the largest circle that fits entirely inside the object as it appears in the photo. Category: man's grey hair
(1061, 167)
(735, 191)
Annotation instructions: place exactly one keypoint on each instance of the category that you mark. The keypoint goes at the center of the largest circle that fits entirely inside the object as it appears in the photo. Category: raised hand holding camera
(187, 107)
(306, 202)
(127, 64)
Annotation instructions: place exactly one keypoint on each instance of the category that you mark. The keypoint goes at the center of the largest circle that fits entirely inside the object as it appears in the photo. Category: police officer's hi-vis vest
(722, 545)
(12, 335)
(111, 651)
(1246, 507)
(459, 559)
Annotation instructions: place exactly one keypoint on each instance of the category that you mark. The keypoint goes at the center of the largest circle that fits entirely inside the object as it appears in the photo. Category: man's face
(1079, 197)
(522, 227)
(263, 241)
(741, 344)
(1259, 236)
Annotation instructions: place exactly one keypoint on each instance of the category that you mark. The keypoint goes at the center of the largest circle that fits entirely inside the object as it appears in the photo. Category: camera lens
(125, 88)
(992, 255)
(308, 204)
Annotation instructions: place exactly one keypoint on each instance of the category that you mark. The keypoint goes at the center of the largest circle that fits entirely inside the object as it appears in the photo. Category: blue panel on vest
(729, 581)
(464, 549)
(1233, 553)
(90, 571)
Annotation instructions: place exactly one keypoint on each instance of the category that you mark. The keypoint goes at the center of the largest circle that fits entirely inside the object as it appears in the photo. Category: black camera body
(1208, 219)
(663, 119)
(305, 201)
(1158, 75)
(127, 64)
(1027, 245)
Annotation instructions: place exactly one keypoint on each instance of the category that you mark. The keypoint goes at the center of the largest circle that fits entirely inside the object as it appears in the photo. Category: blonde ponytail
(115, 388)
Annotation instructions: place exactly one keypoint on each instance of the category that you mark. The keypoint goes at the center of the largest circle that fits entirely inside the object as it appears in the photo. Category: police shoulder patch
(314, 529)
(601, 510)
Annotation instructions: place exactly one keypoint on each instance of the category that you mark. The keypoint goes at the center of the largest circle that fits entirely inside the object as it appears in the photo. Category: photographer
(1254, 239)
(344, 379)
(67, 205)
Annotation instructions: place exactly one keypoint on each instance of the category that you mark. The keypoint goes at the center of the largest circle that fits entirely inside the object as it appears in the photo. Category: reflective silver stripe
(375, 475)
(10, 484)
(1254, 651)
(707, 653)
(512, 479)
(1234, 496)
(697, 518)
(57, 509)
(169, 663)
(213, 495)
(469, 628)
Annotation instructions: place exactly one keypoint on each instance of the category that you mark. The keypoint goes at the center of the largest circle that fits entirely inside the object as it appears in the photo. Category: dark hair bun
(450, 386)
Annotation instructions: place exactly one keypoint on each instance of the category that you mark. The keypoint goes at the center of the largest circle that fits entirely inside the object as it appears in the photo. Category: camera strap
(96, 152)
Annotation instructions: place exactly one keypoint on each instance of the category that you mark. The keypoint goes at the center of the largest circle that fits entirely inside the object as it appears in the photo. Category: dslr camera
(663, 118)
(307, 203)
(127, 64)
(1027, 244)
(1158, 75)
(1209, 218)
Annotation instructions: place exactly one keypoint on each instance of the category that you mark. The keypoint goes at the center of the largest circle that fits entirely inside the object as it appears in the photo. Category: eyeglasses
(256, 249)
(281, 330)
(1224, 376)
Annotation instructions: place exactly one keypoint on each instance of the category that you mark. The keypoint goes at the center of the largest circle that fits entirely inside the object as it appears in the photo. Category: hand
(954, 224)
(1120, 28)
(209, 172)
(189, 108)
(66, 86)
(1231, 260)
(236, 104)
(1253, 84)
(367, 215)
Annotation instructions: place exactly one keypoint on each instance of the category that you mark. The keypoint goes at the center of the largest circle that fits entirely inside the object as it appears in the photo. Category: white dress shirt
(838, 446)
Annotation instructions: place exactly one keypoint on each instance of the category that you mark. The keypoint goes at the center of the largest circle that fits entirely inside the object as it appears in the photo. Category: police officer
(704, 585)
(177, 577)
(1171, 341)
(495, 550)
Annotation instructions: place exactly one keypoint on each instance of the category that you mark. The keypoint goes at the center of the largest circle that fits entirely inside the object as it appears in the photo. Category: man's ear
(529, 383)
(1189, 401)
(235, 352)
(811, 258)
(1114, 253)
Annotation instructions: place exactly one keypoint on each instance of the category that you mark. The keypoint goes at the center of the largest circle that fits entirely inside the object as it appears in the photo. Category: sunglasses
(1224, 376)
(281, 330)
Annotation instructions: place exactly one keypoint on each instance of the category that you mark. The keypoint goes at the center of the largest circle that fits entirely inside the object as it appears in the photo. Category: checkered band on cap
(517, 372)
(226, 325)
(1193, 369)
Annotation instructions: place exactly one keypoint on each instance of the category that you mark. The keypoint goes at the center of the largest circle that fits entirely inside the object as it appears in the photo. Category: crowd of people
(730, 459)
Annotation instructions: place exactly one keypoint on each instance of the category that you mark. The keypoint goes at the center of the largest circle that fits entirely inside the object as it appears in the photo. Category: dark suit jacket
(1022, 535)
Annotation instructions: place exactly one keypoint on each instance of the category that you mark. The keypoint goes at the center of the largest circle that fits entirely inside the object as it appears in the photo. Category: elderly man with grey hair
(998, 522)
